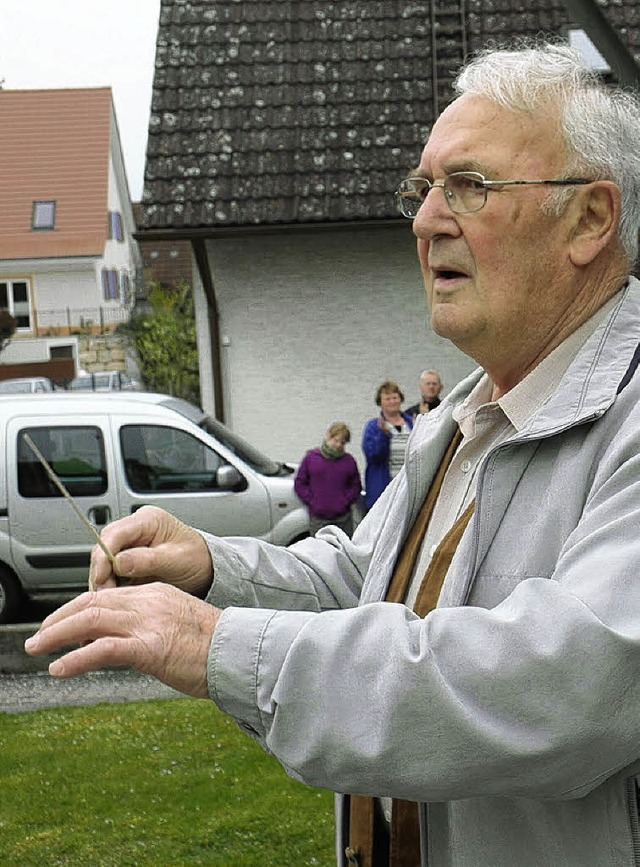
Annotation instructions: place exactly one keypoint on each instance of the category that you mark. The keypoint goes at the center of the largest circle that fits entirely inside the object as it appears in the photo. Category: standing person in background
(328, 481)
(430, 386)
(384, 441)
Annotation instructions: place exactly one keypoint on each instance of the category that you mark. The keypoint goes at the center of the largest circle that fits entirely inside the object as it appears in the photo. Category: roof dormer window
(44, 214)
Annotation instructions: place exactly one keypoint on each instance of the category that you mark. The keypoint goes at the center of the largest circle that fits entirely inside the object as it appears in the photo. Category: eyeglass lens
(464, 192)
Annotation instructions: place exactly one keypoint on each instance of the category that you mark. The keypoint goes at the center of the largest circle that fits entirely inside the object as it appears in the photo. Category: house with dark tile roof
(68, 258)
(278, 133)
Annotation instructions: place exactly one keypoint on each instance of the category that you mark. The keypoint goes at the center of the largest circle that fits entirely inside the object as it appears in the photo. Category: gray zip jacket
(512, 712)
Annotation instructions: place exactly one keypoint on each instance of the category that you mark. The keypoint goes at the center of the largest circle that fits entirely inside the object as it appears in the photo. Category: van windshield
(230, 440)
(240, 447)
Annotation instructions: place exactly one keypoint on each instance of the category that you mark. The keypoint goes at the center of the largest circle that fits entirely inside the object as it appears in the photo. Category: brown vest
(368, 844)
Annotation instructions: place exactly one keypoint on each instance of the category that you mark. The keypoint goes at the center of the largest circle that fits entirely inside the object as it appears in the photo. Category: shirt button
(465, 466)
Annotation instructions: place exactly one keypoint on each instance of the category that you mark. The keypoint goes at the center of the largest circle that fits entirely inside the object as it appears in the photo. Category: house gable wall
(311, 325)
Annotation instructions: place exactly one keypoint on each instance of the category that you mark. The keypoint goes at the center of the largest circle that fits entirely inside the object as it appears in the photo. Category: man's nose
(435, 217)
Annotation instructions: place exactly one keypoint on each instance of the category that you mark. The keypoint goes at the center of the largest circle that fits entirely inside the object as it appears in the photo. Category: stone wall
(107, 352)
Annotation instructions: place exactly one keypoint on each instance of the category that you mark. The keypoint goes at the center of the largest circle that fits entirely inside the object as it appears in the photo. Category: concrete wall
(311, 323)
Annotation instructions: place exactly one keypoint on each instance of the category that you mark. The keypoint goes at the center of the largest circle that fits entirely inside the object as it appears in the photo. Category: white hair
(600, 124)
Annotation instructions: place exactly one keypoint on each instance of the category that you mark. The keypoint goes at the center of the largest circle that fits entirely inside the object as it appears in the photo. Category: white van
(114, 453)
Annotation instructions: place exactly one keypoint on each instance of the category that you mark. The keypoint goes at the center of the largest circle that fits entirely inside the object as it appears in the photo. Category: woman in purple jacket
(328, 481)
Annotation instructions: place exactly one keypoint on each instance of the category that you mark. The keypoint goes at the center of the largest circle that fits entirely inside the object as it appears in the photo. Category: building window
(44, 215)
(115, 226)
(110, 284)
(15, 297)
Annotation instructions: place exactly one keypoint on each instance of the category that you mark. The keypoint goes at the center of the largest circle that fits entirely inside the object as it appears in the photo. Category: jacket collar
(602, 367)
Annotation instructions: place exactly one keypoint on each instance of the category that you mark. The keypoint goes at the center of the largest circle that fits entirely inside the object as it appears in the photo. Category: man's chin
(448, 322)
(444, 320)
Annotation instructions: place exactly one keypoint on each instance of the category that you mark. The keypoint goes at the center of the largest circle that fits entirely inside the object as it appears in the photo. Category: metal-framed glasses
(464, 192)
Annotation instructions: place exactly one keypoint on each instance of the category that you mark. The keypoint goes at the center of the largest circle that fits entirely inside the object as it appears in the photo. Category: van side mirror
(228, 478)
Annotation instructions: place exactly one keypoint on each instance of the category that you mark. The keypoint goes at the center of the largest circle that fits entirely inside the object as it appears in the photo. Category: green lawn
(166, 782)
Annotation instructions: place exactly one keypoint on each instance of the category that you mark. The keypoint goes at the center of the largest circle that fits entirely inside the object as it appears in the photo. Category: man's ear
(597, 217)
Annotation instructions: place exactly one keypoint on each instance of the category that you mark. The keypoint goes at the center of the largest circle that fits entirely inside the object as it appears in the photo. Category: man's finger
(85, 618)
(109, 650)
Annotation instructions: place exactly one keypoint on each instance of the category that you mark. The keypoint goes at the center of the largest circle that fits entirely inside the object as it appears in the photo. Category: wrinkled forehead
(475, 133)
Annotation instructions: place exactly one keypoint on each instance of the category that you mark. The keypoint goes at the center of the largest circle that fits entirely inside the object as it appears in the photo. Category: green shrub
(164, 339)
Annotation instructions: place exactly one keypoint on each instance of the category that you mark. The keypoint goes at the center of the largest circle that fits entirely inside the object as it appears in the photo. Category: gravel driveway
(24, 692)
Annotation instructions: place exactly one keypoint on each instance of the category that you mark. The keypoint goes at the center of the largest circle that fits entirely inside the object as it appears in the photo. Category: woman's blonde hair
(339, 429)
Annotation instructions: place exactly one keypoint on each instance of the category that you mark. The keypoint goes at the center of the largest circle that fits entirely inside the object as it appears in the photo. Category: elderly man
(430, 386)
(471, 658)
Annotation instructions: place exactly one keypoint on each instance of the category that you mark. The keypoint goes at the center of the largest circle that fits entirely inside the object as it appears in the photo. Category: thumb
(139, 563)
(123, 565)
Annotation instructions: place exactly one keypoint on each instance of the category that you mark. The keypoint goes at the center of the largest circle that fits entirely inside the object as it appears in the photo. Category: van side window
(76, 455)
(160, 459)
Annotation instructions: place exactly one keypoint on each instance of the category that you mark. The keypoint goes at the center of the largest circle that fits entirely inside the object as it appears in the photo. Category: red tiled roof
(54, 145)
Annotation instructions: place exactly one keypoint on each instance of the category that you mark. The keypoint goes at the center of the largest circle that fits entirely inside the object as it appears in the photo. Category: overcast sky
(87, 43)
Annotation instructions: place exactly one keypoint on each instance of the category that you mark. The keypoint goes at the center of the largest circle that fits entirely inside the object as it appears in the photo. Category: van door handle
(100, 515)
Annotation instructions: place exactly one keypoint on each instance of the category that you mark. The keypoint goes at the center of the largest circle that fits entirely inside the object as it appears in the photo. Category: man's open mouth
(447, 274)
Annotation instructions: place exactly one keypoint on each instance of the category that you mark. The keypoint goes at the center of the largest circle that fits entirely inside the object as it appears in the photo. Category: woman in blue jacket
(384, 440)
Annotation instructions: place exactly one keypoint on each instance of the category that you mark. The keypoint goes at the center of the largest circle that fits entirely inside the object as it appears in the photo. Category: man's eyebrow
(466, 166)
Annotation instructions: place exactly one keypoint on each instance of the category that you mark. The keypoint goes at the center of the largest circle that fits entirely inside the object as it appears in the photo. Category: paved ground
(25, 692)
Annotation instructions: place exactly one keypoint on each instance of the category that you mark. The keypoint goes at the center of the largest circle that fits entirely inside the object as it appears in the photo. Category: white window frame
(44, 215)
(16, 309)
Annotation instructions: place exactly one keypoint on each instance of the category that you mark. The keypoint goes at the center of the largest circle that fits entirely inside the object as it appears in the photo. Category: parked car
(26, 385)
(114, 453)
(104, 380)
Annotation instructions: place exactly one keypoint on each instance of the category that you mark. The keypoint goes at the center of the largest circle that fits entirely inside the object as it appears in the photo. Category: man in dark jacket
(430, 386)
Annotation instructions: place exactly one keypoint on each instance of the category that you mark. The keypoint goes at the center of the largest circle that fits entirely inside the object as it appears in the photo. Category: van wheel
(10, 596)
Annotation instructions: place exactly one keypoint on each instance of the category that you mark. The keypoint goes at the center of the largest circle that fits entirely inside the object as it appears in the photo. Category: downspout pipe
(202, 261)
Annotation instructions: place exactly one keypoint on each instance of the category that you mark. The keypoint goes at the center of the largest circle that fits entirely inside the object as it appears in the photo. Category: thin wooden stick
(65, 493)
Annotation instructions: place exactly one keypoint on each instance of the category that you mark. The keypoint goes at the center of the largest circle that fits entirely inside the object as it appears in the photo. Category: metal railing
(79, 320)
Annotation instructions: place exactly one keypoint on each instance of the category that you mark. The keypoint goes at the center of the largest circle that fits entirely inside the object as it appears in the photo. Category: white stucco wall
(59, 287)
(118, 254)
(23, 350)
(311, 323)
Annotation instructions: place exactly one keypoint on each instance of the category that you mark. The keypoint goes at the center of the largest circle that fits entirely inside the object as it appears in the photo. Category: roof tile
(313, 115)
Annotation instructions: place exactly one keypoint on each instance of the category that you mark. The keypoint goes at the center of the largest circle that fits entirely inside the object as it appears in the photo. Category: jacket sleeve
(316, 574)
(535, 696)
(375, 443)
(354, 488)
(301, 483)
